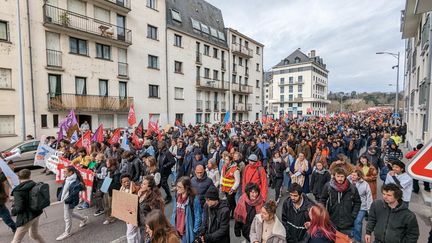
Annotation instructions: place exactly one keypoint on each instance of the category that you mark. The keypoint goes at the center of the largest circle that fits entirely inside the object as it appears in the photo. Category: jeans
(5, 215)
(238, 193)
(68, 215)
(132, 233)
(358, 225)
(278, 185)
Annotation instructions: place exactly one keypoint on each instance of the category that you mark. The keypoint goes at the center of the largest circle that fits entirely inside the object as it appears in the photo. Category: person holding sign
(128, 186)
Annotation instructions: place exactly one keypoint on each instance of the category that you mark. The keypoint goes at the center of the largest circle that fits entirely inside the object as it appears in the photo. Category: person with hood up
(247, 207)
(266, 227)
(255, 173)
(216, 218)
(400, 177)
(295, 213)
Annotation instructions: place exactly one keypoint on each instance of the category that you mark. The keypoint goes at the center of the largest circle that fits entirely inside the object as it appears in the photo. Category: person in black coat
(320, 176)
(216, 219)
(165, 161)
(27, 220)
(201, 183)
(277, 170)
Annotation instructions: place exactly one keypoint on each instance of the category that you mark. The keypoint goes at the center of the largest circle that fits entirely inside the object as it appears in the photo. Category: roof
(202, 13)
(298, 57)
(245, 37)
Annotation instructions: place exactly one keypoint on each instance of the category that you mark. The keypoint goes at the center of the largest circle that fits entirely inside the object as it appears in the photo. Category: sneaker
(63, 236)
(84, 222)
(83, 206)
(98, 213)
(108, 221)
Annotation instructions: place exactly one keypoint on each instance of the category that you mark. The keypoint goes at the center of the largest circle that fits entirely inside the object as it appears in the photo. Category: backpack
(39, 197)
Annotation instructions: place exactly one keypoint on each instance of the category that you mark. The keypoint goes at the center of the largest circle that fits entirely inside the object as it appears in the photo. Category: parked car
(27, 150)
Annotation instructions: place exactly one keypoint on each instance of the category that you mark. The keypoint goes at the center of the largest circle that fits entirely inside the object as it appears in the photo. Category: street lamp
(397, 78)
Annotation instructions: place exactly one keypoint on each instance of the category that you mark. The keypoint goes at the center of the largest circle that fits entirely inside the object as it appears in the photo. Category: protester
(187, 212)
(213, 172)
(230, 181)
(128, 186)
(27, 220)
(320, 176)
(165, 162)
(300, 171)
(216, 218)
(319, 229)
(255, 173)
(201, 183)
(399, 177)
(249, 204)
(295, 213)
(114, 174)
(152, 170)
(69, 195)
(341, 162)
(370, 174)
(390, 219)
(4, 198)
(158, 229)
(266, 226)
(277, 170)
(101, 171)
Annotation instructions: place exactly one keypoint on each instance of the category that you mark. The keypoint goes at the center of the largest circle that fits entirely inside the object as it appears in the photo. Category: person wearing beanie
(399, 177)
(216, 219)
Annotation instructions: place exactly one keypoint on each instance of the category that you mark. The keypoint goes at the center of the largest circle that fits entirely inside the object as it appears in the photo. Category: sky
(345, 33)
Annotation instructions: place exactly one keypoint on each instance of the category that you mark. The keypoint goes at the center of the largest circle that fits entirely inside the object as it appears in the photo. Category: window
(55, 120)
(290, 97)
(214, 32)
(300, 88)
(122, 62)
(178, 40)
(240, 61)
(178, 67)
(54, 83)
(122, 90)
(290, 89)
(258, 84)
(300, 96)
(103, 51)
(178, 93)
(195, 24)
(234, 78)
(176, 15)
(257, 50)
(44, 121)
(215, 75)
(152, 32)
(282, 98)
(179, 117)
(215, 52)
(102, 14)
(297, 60)
(258, 67)
(5, 78)
(206, 50)
(4, 32)
(78, 46)
(282, 80)
(198, 118)
(282, 89)
(103, 87)
(151, 4)
(153, 62)
(291, 80)
(206, 72)
(153, 91)
(205, 29)
(300, 79)
(76, 6)
(221, 36)
(207, 118)
(80, 86)
(7, 125)
(234, 39)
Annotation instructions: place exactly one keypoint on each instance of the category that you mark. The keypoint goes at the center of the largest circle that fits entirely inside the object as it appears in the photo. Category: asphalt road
(52, 224)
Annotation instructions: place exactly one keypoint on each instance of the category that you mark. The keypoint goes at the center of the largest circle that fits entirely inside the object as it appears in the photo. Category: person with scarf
(266, 227)
(300, 171)
(249, 204)
(277, 169)
(342, 201)
(370, 174)
(187, 212)
(320, 176)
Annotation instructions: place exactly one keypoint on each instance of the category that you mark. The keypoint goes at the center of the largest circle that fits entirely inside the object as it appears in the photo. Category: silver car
(28, 150)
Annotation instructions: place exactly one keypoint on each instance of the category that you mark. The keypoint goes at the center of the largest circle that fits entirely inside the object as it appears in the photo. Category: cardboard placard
(125, 207)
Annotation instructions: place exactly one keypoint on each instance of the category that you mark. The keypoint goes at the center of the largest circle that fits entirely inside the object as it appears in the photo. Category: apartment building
(300, 86)
(268, 93)
(416, 30)
(170, 58)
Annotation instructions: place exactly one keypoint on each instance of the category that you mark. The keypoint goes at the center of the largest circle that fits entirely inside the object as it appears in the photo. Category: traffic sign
(421, 165)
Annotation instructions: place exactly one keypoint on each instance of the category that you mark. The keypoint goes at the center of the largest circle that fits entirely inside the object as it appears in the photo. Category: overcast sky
(345, 33)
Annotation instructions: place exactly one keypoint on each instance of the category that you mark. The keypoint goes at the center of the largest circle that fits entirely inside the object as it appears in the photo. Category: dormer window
(176, 15)
(297, 60)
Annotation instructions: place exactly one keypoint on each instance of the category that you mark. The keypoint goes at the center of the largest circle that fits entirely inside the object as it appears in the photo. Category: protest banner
(43, 152)
(10, 175)
(125, 207)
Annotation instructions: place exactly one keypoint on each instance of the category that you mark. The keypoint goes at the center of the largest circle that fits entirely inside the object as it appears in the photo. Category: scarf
(339, 187)
(68, 181)
(240, 212)
(321, 172)
(181, 214)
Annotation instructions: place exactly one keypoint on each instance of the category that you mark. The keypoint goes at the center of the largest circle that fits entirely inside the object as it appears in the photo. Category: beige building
(416, 31)
(100, 56)
(299, 86)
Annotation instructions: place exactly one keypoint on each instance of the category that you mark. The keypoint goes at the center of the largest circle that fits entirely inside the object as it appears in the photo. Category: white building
(100, 56)
(416, 30)
(300, 86)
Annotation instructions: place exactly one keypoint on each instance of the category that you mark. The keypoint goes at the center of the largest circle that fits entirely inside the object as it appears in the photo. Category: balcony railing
(198, 58)
(234, 68)
(241, 107)
(298, 99)
(242, 50)
(204, 82)
(123, 69)
(223, 106)
(242, 88)
(199, 105)
(54, 58)
(207, 105)
(71, 20)
(89, 103)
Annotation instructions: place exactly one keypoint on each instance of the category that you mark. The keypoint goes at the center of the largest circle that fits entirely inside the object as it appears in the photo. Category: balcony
(198, 59)
(88, 103)
(298, 99)
(242, 88)
(223, 65)
(123, 69)
(199, 105)
(54, 58)
(216, 106)
(123, 6)
(65, 20)
(223, 106)
(247, 72)
(234, 68)
(207, 83)
(207, 104)
(241, 50)
(241, 107)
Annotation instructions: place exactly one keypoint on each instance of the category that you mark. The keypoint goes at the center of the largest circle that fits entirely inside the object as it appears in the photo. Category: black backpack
(39, 197)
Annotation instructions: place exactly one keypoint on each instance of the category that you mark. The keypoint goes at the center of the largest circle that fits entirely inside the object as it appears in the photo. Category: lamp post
(397, 78)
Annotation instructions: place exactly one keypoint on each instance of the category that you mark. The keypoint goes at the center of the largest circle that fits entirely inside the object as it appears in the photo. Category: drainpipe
(428, 80)
(166, 73)
(31, 70)
(229, 78)
(21, 74)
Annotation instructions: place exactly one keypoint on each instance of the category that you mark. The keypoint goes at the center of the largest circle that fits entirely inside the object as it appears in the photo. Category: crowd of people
(217, 175)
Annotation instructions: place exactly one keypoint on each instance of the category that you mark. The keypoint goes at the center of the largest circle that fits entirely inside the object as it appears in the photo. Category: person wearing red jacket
(254, 172)
(410, 155)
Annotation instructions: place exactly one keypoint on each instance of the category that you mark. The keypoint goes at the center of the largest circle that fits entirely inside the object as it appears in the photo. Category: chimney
(312, 53)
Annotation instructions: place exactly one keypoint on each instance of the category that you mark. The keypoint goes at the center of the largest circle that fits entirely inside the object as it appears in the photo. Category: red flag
(177, 123)
(135, 140)
(264, 120)
(139, 131)
(85, 141)
(115, 137)
(228, 126)
(131, 116)
(270, 119)
(98, 135)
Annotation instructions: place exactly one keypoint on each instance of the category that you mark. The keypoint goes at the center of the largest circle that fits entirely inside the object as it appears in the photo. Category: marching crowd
(217, 175)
